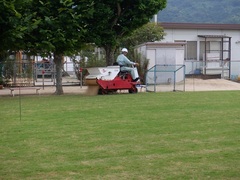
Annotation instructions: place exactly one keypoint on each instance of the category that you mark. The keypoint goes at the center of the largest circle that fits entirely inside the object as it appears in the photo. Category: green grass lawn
(175, 135)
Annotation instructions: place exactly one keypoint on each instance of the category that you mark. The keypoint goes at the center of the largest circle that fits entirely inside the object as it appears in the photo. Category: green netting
(166, 78)
(165, 68)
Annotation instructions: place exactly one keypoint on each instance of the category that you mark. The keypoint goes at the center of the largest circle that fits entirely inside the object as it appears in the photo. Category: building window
(191, 50)
(212, 47)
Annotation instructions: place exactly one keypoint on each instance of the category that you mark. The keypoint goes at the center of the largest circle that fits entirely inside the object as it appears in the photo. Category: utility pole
(155, 18)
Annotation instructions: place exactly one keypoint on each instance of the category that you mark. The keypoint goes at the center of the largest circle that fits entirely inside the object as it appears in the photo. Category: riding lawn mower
(110, 79)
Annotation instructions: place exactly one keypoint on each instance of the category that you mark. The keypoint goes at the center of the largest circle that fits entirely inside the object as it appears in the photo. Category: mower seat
(123, 74)
(115, 64)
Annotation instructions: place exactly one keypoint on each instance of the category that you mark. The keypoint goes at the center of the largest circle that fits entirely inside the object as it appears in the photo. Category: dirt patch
(191, 84)
(195, 84)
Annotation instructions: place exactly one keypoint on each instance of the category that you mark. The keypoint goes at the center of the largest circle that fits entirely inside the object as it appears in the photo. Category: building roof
(214, 36)
(163, 44)
(167, 25)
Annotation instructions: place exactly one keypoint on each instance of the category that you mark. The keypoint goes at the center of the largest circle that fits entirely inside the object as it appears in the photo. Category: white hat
(124, 50)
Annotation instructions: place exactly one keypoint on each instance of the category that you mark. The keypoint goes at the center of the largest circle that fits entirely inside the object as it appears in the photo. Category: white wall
(192, 35)
(151, 55)
(164, 54)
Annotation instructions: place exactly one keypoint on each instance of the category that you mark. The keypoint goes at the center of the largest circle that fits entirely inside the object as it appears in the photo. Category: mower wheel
(132, 91)
(102, 91)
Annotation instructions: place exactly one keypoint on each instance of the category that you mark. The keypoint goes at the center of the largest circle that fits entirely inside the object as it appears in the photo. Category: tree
(12, 25)
(113, 20)
(59, 28)
(149, 32)
(12, 29)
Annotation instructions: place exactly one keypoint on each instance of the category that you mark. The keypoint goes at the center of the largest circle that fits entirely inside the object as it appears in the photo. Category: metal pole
(20, 104)
(229, 56)
(174, 81)
(222, 58)
(43, 78)
(15, 73)
(184, 81)
(155, 78)
(205, 65)
(81, 80)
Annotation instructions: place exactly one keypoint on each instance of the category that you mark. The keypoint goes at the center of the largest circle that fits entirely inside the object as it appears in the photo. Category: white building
(210, 48)
(165, 60)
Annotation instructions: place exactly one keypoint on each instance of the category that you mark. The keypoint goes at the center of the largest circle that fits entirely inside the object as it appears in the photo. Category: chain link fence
(227, 70)
(165, 78)
(34, 73)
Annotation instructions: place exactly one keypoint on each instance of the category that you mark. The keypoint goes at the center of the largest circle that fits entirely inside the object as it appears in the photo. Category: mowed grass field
(173, 135)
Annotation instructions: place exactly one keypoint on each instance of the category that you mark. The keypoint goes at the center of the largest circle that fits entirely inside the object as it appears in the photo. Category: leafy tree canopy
(58, 26)
(12, 24)
(149, 32)
(112, 20)
(61, 27)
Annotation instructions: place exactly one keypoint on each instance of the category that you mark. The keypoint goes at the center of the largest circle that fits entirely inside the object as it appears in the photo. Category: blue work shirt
(122, 60)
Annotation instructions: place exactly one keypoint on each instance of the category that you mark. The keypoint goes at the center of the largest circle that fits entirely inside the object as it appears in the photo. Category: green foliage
(92, 59)
(1, 80)
(143, 66)
(204, 11)
(12, 25)
(89, 58)
(113, 20)
(62, 27)
(191, 135)
(8, 68)
(4, 55)
(59, 26)
(149, 32)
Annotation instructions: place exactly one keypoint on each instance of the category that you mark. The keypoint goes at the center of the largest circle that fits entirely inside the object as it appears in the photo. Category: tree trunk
(109, 55)
(59, 65)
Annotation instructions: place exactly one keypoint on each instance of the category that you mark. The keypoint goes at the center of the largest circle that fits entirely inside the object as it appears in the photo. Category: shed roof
(163, 44)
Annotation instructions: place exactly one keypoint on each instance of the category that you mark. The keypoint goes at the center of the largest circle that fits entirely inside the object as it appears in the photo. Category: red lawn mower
(110, 79)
